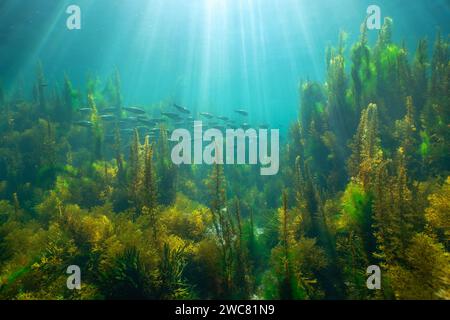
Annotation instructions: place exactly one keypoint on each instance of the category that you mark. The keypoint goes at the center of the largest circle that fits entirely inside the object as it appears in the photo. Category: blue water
(209, 55)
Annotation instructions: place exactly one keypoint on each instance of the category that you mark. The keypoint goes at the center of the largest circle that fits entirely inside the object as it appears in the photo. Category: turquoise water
(209, 55)
(112, 149)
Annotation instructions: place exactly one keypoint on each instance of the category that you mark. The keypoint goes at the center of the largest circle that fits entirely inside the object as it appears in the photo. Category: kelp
(378, 213)
(363, 72)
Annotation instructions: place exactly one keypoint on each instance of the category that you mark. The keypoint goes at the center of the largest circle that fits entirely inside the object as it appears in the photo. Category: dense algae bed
(364, 180)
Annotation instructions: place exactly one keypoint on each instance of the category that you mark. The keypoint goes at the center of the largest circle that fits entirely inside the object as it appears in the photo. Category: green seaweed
(363, 180)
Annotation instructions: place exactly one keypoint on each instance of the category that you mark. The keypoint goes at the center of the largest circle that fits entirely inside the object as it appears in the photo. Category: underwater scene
(224, 150)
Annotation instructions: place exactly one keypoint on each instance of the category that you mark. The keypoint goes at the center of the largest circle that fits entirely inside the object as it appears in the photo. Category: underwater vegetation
(364, 180)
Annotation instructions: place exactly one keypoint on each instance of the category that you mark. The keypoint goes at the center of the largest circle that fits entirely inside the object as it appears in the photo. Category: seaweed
(364, 180)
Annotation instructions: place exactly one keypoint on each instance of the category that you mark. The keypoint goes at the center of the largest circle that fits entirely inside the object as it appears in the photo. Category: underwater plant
(88, 180)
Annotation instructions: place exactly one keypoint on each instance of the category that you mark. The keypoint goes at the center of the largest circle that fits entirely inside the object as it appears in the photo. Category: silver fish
(207, 115)
(171, 115)
(181, 109)
(134, 110)
(84, 123)
(109, 109)
(242, 112)
(107, 117)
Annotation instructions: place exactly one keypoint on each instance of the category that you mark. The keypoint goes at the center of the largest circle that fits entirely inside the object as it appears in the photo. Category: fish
(206, 115)
(142, 118)
(223, 118)
(127, 130)
(85, 110)
(242, 112)
(181, 109)
(148, 122)
(124, 123)
(107, 117)
(134, 110)
(171, 115)
(84, 123)
(109, 109)
(245, 126)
